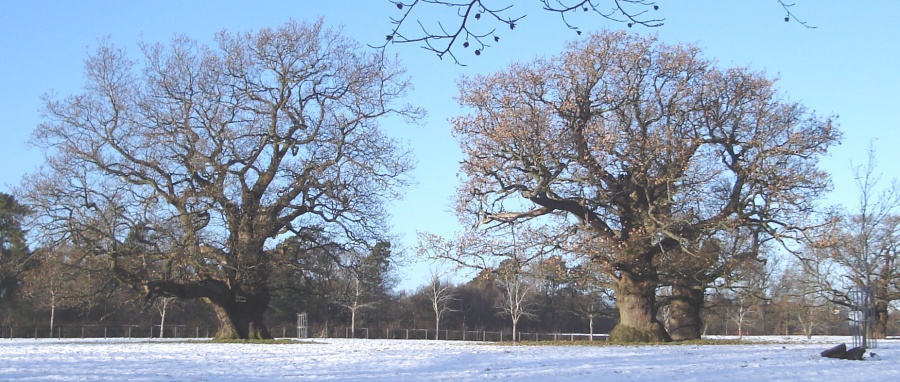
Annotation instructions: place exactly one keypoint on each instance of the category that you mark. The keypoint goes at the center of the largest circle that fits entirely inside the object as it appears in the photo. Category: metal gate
(302, 326)
(862, 318)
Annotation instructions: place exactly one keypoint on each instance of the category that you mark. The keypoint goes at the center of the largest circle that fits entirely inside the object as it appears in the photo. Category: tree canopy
(183, 169)
(637, 149)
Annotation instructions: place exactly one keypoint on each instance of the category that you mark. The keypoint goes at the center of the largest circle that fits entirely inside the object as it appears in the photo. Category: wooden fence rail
(186, 331)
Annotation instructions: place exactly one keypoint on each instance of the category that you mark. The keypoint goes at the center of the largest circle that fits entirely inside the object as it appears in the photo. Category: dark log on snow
(836, 352)
(855, 354)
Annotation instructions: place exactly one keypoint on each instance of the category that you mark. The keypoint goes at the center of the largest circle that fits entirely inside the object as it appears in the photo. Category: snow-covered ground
(408, 360)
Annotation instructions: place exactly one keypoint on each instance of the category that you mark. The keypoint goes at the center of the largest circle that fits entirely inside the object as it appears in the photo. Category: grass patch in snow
(282, 341)
(606, 343)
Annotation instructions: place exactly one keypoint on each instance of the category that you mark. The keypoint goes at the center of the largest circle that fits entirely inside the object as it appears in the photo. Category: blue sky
(846, 66)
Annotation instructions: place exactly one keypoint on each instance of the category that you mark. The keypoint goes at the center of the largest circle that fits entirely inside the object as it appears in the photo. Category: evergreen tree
(14, 252)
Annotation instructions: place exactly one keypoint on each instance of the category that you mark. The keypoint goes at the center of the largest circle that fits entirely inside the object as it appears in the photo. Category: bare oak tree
(636, 149)
(208, 156)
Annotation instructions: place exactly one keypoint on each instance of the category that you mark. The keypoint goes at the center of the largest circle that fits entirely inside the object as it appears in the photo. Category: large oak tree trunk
(241, 314)
(684, 321)
(636, 301)
(881, 319)
(239, 308)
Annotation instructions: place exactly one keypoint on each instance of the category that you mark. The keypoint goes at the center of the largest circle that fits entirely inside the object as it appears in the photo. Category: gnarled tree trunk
(636, 301)
(684, 321)
(881, 319)
(239, 309)
(242, 316)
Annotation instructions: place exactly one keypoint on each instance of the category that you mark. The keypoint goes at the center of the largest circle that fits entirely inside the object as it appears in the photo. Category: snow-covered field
(409, 360)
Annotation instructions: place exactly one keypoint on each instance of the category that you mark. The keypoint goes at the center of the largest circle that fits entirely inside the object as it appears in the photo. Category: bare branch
(469, 24)
(789, 15)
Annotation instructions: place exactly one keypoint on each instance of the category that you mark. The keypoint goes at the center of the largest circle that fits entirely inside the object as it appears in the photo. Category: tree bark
(636, 301)
(241, 316)
(881, 319)
(239, 309)
(684, 321)
(437, 330)
(162, 320)
(514, 337)
(52, 315)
